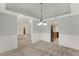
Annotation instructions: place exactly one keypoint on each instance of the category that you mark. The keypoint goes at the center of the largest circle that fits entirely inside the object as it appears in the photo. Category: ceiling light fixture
(44, 23)
(40, 23)
(41, 20)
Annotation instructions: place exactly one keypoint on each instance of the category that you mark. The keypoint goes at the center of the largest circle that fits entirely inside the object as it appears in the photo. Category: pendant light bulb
(45, 24)
(40, 23)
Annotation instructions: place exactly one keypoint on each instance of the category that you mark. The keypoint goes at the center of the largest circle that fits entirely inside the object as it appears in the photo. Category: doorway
(24, 33)
(55, 33)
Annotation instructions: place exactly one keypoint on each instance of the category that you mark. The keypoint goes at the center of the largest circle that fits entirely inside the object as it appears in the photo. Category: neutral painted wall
(71, 41)
(35, 37)
(46, 37)
(36, 31)
(74, 7)
(2, 6)
(69, 25)
(8, 42)
(8, 32)
(69, 31)
(46, 33)
(36, 28)
(8, 24)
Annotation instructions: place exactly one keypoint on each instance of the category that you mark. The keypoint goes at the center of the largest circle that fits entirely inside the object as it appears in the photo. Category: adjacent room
(39, 29)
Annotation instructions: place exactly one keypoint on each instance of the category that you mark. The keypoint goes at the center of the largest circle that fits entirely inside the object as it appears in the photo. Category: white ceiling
(33, 9)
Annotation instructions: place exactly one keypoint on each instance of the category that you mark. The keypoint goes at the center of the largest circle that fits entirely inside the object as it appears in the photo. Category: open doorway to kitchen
(55, 32)
(24, 33)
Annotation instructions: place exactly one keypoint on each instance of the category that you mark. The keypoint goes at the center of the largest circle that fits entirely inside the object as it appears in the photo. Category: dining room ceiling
(34, 9)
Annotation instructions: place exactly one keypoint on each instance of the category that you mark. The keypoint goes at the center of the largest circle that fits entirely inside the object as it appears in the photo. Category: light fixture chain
(41, 12)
